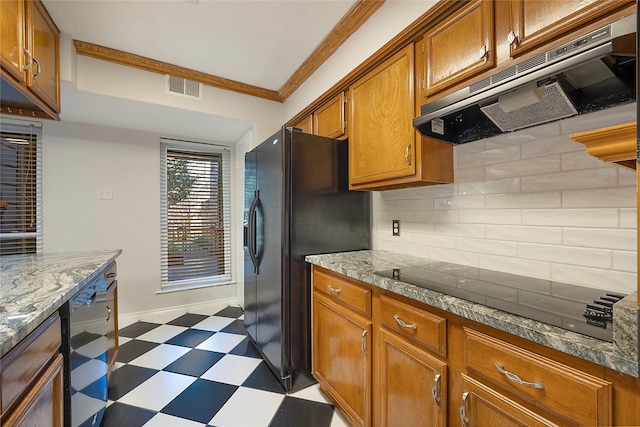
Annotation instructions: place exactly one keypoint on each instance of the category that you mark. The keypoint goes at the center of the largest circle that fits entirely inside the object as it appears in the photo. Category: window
(195, 218)
(20, 187)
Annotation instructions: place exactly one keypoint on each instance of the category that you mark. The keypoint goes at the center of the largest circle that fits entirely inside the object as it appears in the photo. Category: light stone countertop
(621, 355)
(32, 287)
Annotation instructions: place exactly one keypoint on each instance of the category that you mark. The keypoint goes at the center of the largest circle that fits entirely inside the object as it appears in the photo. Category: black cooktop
(576, 308)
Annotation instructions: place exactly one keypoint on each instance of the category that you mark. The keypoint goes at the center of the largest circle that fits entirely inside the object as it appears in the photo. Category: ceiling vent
(183, 87)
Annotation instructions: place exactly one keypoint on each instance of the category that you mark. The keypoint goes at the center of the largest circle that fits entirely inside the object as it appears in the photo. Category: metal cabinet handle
(463, 409)
(407, 157)
(483, 52)
(401, 322)
(516, 379)
(108, 313)
(435, 390)
(363, 344)
(512, 38)
(35, 76)
(333, 291)
(27, 66)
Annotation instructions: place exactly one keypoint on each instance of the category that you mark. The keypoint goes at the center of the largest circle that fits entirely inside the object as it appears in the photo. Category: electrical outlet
(396, 227)
(105, 193)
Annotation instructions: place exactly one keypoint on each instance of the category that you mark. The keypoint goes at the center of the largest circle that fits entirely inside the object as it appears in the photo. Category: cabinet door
(43, 405)
(306, 124)
(341, 358)
(44, 74)
(329, 119)
(460, 47)
(483, 406)
(382, 140)
(413, 385)
(12, 38)
(535, 22)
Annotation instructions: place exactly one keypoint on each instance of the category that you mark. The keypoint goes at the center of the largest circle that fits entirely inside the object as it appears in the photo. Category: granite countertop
(32, 287)
(621, 355)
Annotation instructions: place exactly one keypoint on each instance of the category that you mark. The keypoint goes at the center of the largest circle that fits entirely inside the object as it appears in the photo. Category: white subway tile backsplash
(523, 267)
(581, 160)
(405, 193)
(534, 166)
(531, 202)
(522, 233)
(587, 257)
(600, 198)
(495, 186)
(460, 202)
(497, 216)
(426, 217)
(625, 261)
(571, 217)
(628, 218)
(612, 280)
(622, 239)
(470, 174)
(546, 147)
(495, 247)
(489, 157)
(589, 178)
(524, 200)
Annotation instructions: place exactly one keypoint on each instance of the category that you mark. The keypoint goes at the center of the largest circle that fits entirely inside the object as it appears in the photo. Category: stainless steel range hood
(590, 73)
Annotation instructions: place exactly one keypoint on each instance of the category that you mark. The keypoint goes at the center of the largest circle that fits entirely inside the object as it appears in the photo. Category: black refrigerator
(297, 203)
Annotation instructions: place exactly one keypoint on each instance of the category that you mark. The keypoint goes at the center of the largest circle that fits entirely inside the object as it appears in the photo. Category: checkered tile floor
(202, 370)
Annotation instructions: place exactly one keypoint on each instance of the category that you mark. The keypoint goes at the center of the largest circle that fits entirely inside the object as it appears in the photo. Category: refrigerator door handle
(251, 232)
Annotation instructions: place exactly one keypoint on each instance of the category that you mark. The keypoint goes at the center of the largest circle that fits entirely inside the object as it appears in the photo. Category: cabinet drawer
(343, 289)
(571, 394)
(411, 322)
(23, 363)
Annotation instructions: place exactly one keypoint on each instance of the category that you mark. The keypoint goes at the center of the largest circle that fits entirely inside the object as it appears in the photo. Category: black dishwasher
(86, 318)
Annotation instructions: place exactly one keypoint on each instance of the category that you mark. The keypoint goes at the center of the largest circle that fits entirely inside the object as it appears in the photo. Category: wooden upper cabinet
(460, 47)
(305, 124)
(328, 120)
(381, 136)
(30, 59)
(44, 74)
(535, 23)
(12, 38)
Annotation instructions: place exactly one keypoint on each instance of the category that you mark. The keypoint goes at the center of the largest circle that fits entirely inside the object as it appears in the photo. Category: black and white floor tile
(200, 370)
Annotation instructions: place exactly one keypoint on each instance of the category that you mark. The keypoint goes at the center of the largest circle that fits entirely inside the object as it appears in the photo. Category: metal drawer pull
(516, 379)
(406, 155)
(483, 53)
(463, 409)
(403, 324)
(35, 76)
(512, 38)
(363, 345)
(333, 290)
(435, 390)
(27, 66)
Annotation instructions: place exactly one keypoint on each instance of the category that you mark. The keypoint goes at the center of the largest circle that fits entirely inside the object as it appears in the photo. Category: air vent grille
(183, 87)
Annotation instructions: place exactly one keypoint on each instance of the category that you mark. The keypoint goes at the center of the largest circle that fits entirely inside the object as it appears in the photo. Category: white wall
(79, 158)
(532, 202)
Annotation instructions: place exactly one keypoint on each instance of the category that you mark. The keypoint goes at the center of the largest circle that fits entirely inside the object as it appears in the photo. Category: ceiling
(267, 46)
(256, 42)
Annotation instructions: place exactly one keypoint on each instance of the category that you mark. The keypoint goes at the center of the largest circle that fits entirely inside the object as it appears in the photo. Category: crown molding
(349, 24)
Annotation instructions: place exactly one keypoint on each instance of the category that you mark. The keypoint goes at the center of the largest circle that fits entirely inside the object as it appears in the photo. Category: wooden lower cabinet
(426, 367)
(341, 357)
(31, 386)
(412, 385)
(483, 406)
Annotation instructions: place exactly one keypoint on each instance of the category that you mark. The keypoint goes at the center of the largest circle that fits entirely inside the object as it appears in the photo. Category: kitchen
(445, 222)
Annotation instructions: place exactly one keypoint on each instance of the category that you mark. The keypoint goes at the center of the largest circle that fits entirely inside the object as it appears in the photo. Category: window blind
(20, 187)
(195, 215)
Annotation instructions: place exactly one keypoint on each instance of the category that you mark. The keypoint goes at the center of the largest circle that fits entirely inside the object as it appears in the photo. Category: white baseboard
(165, 315)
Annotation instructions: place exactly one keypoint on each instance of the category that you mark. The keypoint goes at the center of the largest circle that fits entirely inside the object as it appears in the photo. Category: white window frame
(167, 144)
